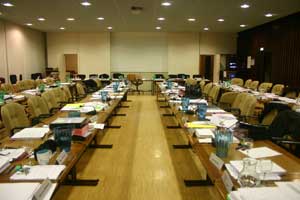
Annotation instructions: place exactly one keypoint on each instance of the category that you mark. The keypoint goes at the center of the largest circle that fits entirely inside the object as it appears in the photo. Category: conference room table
(78, 147)
(204, 152)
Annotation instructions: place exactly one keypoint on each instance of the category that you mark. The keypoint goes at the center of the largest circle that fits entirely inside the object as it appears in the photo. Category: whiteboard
(139, 52)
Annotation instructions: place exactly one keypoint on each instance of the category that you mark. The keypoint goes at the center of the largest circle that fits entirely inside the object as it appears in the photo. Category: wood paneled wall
(281, 40)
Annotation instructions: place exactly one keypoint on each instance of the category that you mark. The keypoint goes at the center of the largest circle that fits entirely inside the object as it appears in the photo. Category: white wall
(183, 53)
(93, 51)
(22, 50)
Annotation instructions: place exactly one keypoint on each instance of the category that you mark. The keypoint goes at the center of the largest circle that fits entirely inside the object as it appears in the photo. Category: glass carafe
(248, 177)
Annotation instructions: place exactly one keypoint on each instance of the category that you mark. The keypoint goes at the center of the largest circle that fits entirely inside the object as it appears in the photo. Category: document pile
(282, 191)
(30, 133)
(4, 163)
(12, 154)
(260, 152)
(39, 172)
(223, 120)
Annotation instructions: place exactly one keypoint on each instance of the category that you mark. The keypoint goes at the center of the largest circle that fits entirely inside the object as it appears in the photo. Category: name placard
(61, 158)
(40, 193)
(227, 181)
(216, 161)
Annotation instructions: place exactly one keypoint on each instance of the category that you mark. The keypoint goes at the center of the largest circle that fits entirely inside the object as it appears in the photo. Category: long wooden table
(68, 176)
(203, 151)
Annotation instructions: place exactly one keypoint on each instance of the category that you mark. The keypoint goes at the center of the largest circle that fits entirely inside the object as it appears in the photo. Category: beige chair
(14, 117)
(227, 99)
(67, 94)
(237, 81)
(80, 91)
(213, 94)
(49, 80)
(3, 132)
(8, 88)
(191, 81)
(238, 103)
(206, 89)
(37, 109)
(265, 87)
(253, 85)
(247, 83)
(278, 89)
(49, 98)
(202, 84)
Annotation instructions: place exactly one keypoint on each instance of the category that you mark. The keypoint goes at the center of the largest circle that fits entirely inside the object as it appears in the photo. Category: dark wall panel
(281, 40)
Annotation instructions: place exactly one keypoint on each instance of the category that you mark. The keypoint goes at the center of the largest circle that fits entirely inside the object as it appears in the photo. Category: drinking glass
(115, 86)
(185, 102)
(202, 108)
(103, 95)
(223, 139)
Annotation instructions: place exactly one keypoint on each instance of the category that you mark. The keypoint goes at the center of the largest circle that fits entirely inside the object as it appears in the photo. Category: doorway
(206, 66)
(71, 61)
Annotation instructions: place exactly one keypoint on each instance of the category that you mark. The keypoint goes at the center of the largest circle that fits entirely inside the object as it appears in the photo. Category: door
(206, 67)
(71, 61)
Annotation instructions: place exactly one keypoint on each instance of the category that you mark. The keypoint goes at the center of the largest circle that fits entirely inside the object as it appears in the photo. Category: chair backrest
(118, 75)
(98, 82)
(93, 76)
(14, 116)
(183, 76)
(159, 76)
(253, 85)
(207, 88)
(237, 81)
(214, 93)
(67, 93)
(49, 80)
(36, 76)
(37, 106)
(191, 81)
(2, 80)
(8, 88)
(105, 76)
(172, 76)
(269, 117)
(81, 76)
(13, 78)
(202, 84)
(247, 83)
(277, 89)
(80, 89)
(238, 100)
(265, 86)
(197, 76)
(49, 98)
(227, 99)
(248, 105)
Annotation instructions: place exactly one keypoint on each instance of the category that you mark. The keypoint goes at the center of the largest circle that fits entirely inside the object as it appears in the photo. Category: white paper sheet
(260, 152)
(39, 172)
(31, 133)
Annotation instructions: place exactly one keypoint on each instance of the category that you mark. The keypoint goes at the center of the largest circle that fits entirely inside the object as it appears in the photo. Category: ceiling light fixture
(243, 25)
(100, 18)
(269, 15)
(62, 28)
(28, 24)
(206, 28)
(166, 3)
(70, 19)
(109, 28)
(85, 3)
(158, 28)
(161, 19)
(41, 19)
(7, 4)
(221, 20)
(191, 19)
(261, 49)
(245, 5)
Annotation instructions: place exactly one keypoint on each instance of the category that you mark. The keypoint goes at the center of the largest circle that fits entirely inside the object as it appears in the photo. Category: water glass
(201, 111)
(185, 104)
(223, 139)
(63, 137)
(115, 86)
(104, 95)
(1, 97)
(41, 88)
(169, 84)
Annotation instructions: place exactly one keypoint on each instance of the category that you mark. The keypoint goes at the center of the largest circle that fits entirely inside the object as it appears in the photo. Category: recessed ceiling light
(166, 3)
(100, 18)
(85, 3)
(109, 28)
(243, 25)
(191, 19)
(161, 18)
(41, 19)
(269, 15)
(261, 48)
(206, 28)
(7, 4)
(28, 24)
(70, 19)
(158, 28)
(245, 5)
(62, 28)
(221, 20)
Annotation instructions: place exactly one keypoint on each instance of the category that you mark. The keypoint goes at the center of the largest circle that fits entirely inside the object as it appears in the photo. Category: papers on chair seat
(12, 154)
(31, 133)
(260, 152)
(39, 172)
(224, 120)
(283, 191)
(200, 124)
(23, 191)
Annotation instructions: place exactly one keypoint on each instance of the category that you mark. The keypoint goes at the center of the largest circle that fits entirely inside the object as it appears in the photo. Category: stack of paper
(23, 191)
(223, 120)
(39, 172)
(12, 154)
(31, 133)
(4, 163)
(283, 191)
(215, 110)
(260, 152)
(200, 124)
(72, 107)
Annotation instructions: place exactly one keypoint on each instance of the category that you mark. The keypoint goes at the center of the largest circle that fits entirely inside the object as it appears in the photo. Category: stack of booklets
(282, 191)
(12, 154)
(234, 167)
(4, 163)
(31, 133)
